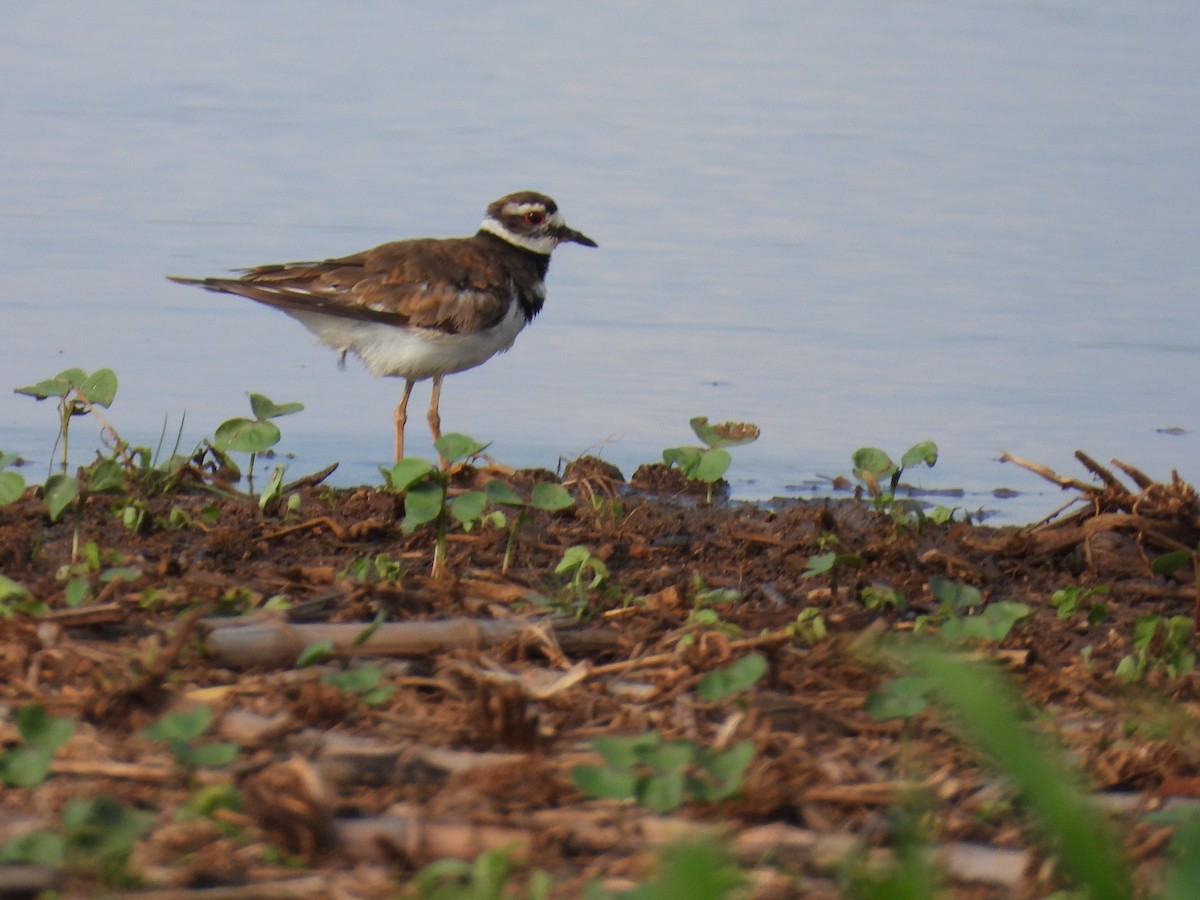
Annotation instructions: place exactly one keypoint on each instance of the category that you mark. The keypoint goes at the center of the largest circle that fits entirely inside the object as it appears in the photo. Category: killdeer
(422, 308)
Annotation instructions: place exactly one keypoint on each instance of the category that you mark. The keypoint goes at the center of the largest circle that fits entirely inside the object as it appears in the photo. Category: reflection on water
(853, 224)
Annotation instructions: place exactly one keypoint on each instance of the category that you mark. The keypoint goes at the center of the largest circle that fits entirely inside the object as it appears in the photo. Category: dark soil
(474, 747)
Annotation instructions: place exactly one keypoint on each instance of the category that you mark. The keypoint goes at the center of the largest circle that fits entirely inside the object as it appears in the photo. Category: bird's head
(531, 221)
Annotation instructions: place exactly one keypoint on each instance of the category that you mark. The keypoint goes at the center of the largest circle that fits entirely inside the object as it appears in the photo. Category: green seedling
(362, 682)
(585, 573)
(484, 878)
(256, 435)
(900, 698)
(962, 615)
(95, 567)
(78, 394)
(1071, 599)
(41, 734)
(61, 491)
(545, 496)
(1159, 644)
(662, 775)
(873, 467)
(16, 599)
(831, 564)
(696, 871)
(705, 614)
(96, 836)
(426, 490)
(182, 730)
(708, 463)
(374, 569)
(12, 484)
(738, 676)
(808, 627)
(879, 596)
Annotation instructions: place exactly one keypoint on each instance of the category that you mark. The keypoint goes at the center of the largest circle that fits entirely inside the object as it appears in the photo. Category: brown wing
(448, 285)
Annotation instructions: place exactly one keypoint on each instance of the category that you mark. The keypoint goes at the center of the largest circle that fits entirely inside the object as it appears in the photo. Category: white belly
(413, 353)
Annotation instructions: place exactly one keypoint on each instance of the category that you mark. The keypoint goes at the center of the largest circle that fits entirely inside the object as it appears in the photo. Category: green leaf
(246, 435)
(900, 698)
(1165, 565)
(624, 751)
(25, 766)
(728, 766)
(408, 471)
(39, 728)
(58, 386)
(180, 726)
(1144, 629)
(668, 757)
(263, 408)
(453, 447)
(120, 573)
(873, 460)
(604, 782)
(422, 503)
(76, 592)
(354, 681)
(12, 486)
(211, 756)
(273, 487)
(314, 653)
(501, 494)
(993, 624)
(100, 387)
(956, 595)
(551, 497)
(686, 458)
(819, 564)
(11, 590)
(468, 507)
(107, 476)
(60, 491)
(662, 792)
(365, 635)
(711, 466)
(726, 434)
(738, 676)
(39, 848)
(925, 452)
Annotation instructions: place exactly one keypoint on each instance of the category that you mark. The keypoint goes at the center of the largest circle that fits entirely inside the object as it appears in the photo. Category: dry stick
(672, 656)
(310, 480)
(274, 642)
(1103, 473)
(1062, 481)
(338, 531)
(1140, 478)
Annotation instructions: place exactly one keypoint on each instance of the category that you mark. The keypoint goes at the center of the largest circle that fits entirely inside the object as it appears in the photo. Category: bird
(421, 308)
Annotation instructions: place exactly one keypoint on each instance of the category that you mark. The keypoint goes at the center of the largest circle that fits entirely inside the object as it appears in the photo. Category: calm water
(853, 223)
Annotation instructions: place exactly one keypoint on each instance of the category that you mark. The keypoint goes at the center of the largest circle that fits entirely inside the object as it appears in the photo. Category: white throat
(542, 245)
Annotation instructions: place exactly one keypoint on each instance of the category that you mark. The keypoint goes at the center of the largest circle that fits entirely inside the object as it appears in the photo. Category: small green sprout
(182, 729)
(663, 775)
(41, 735)
(708, 463)
(873, 467)
(78, 394)
(12, 484)
(254, 436)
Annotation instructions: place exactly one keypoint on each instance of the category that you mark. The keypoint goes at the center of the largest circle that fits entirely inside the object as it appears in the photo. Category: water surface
(854, 223)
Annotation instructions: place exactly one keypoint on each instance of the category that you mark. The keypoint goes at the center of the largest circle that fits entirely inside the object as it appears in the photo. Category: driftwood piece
(272, 641)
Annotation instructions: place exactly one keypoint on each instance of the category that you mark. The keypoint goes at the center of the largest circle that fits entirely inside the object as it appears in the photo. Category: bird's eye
(535, 217)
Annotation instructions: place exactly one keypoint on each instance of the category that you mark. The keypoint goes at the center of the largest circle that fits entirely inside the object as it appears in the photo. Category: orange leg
(435, 419)
(402, 419)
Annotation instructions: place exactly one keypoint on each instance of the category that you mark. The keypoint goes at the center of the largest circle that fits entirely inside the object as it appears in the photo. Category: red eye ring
(535, 217)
